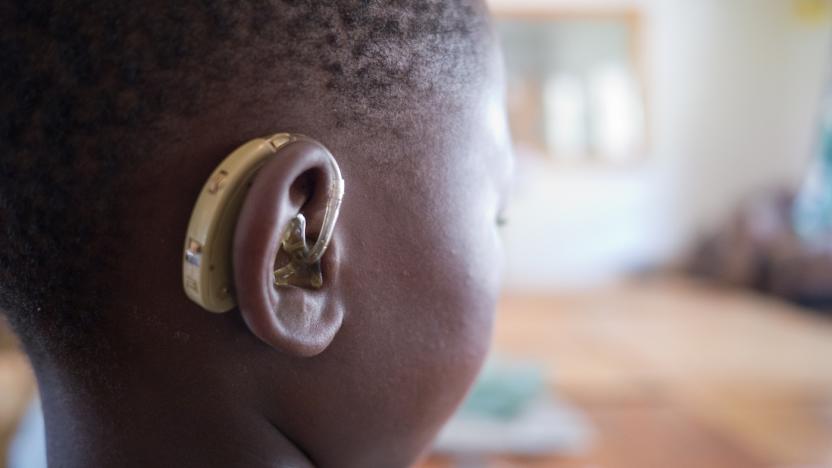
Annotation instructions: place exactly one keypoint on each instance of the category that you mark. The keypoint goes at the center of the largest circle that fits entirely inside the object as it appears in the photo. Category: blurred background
(668, 297)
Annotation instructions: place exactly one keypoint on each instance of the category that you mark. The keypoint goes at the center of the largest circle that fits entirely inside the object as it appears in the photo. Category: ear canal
(299, 272)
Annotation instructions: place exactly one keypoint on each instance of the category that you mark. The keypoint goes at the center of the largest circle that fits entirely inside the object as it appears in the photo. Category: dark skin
(361, 373)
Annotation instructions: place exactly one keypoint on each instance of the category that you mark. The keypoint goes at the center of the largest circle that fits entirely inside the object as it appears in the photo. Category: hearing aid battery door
(207, 272)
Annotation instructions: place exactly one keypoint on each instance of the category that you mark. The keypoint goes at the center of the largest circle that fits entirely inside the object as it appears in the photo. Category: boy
(115, 114)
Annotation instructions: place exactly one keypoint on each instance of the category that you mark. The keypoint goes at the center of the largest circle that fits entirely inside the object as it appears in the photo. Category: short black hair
(85, 85)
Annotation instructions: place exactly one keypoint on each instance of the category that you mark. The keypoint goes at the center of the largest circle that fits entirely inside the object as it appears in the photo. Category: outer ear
(297, 321)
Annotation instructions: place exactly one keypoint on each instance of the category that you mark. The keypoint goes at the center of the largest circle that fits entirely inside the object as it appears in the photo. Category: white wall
(733, 93)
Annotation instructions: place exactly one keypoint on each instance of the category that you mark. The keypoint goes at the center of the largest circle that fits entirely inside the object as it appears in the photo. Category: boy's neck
(154, 426)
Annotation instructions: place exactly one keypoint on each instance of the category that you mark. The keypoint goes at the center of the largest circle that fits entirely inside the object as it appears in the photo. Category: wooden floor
(672, 374)
(675, 374)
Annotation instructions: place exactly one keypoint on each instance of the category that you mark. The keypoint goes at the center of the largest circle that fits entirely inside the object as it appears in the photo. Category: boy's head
(115, 113)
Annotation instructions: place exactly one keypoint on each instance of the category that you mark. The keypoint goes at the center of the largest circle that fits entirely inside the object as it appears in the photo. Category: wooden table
(675, 374)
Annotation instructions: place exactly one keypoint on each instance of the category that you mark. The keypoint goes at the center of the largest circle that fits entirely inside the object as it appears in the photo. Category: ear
(300, 322)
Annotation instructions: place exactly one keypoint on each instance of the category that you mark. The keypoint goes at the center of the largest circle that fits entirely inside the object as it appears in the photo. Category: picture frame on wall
(576, 86)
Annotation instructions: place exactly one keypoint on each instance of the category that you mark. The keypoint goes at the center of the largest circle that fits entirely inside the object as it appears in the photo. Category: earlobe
(302, 316)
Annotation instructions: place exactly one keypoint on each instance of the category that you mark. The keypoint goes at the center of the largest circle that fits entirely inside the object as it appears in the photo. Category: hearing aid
(207, 270)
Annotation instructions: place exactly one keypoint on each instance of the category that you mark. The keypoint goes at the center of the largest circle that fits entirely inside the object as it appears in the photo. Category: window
(576, 91)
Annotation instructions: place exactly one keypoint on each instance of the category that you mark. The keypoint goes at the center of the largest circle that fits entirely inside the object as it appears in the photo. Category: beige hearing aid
(207, 273)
